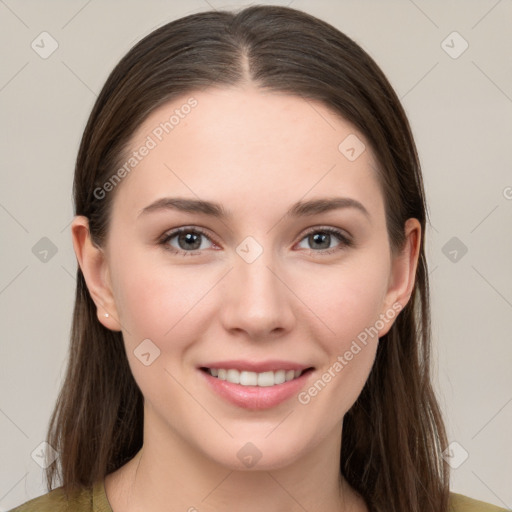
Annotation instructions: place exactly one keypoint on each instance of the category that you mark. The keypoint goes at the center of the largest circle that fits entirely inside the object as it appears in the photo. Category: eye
(321, 238)
(188, 240)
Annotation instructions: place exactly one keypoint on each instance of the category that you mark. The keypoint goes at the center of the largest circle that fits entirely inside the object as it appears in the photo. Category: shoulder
(56, 501)
(461, 503)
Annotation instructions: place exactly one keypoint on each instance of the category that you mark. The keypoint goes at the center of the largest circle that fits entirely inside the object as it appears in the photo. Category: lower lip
(256, 397)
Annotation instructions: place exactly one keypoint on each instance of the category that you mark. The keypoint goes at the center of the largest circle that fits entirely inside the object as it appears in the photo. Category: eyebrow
(299, 209)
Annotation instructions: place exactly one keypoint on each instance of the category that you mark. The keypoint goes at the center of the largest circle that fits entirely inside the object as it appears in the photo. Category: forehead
(247, 148)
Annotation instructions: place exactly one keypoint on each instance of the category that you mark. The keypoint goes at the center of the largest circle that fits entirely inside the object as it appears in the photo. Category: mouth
(260, 379)
(256, 386)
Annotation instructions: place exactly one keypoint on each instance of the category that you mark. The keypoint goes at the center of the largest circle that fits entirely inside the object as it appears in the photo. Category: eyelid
(346, 240)
(176, 231)
(329, 229)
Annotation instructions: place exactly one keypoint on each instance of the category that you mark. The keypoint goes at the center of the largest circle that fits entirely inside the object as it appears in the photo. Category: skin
(256, 153)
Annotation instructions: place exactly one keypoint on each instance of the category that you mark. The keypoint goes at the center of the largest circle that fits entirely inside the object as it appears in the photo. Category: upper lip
(255, 366)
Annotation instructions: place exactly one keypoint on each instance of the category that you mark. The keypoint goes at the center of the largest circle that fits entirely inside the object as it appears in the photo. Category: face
(277, 282)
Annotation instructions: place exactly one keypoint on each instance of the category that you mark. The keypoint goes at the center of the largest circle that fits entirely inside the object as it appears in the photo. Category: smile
(255, 385)
(248, 378)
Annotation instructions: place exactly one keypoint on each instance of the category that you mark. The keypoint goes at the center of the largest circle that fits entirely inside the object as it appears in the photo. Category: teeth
(263, 379)
(248, 378)
(233, 376)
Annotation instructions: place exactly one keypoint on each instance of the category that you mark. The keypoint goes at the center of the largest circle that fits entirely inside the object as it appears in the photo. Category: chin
(260, 454)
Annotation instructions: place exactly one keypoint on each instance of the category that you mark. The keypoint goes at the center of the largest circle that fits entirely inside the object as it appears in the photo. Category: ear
(403, 273)
(94, 267)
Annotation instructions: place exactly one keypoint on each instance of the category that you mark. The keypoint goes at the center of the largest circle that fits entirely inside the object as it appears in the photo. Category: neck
(168, 473)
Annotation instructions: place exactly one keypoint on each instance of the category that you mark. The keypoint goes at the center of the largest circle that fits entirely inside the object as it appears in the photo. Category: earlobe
(94, 267)
(403, 272)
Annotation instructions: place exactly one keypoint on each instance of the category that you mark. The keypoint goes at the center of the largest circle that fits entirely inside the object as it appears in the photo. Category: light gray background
(460, 110)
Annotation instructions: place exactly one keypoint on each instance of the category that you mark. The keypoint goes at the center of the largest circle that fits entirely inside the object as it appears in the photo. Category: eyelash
(345, 242)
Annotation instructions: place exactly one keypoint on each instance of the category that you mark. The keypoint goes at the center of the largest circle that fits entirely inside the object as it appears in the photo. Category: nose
(256, 299)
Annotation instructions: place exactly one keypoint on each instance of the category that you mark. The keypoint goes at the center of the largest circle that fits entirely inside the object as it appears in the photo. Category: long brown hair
(393, 435)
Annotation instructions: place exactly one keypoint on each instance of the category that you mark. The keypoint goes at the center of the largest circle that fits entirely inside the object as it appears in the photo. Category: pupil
(318, 238)
(189, 237)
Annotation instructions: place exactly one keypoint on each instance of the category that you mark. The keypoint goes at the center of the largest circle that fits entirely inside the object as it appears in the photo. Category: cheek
(347, 298)
(161, 304)
(158, 301)
(350, 306)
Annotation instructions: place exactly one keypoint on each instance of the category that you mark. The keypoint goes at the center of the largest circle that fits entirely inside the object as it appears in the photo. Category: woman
(220, 358)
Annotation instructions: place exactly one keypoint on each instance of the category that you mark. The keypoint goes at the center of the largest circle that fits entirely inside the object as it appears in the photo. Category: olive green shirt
(95, 500)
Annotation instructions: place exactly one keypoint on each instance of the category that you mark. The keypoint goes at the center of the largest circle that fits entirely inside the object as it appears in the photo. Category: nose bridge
(260, 287)
(256, 300)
